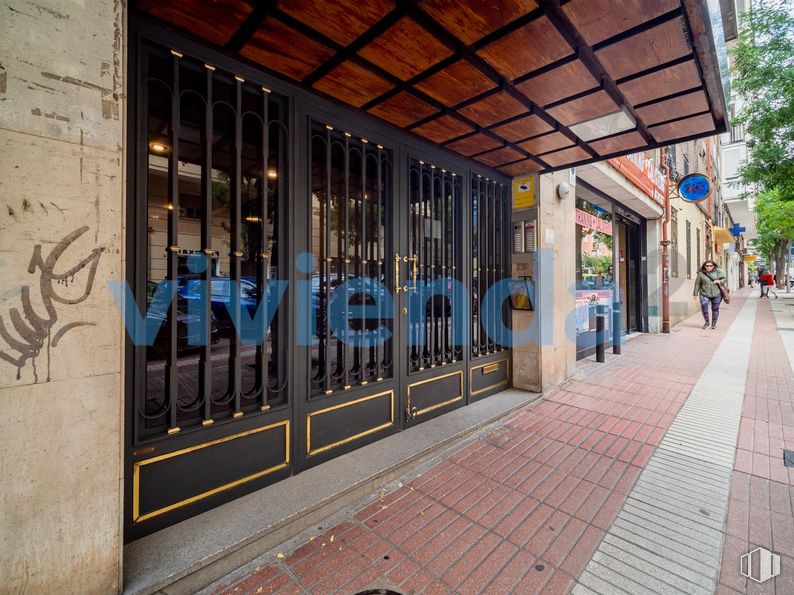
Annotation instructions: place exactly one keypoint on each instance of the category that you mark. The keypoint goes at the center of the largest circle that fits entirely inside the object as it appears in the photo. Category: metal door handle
(414, 273)
(397, 288)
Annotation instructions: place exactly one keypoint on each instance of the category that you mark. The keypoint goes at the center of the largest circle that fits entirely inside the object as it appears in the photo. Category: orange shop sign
(642, 173)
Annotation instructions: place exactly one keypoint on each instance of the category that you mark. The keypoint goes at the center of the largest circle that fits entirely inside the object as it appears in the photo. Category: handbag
(726, 293)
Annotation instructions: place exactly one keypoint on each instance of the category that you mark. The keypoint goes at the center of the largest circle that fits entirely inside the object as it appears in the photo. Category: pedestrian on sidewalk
(768, 281)
(707, 288)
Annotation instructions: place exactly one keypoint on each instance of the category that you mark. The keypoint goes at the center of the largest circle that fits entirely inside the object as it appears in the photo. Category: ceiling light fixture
(606, 125)
(158, 146)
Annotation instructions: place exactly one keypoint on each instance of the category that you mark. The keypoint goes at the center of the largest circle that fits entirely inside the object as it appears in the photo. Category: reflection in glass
(595, 271)
(351, 241)
(434, 240)
(489, 263)
(214, 189)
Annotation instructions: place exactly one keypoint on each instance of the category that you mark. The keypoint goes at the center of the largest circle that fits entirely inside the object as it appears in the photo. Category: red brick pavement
(523, 507)
(762, 488)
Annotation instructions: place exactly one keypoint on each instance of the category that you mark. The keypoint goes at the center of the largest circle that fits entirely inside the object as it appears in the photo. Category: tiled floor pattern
(523, 507)
(668, 536)
(760, 512)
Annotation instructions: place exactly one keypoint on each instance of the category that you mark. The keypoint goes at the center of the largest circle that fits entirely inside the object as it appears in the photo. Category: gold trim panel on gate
(310, 452)
(136, 469)
(489, 369)
(437, 405)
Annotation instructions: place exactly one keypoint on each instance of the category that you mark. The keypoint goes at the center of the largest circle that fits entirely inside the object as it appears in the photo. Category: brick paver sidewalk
(762, 488)
(524, 506)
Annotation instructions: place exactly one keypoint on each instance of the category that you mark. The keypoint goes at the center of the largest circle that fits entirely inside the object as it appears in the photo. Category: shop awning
(519, 85)
(723, 236)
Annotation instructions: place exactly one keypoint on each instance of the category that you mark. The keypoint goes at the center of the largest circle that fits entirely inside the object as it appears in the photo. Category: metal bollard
(616, 336)
(600, 335)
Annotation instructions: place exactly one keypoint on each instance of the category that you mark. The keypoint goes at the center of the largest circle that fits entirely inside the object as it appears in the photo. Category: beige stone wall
(653, 237)
(61, 240)
(681, 303)
(551, 360)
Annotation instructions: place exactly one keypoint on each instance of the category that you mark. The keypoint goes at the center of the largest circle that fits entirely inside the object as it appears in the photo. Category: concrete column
(551, 358)
(654, 269)
(61, 240)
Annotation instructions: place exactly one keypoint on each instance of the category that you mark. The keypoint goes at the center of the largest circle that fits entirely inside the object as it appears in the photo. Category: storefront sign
(694, 187)
(590, 221)
(524, 192)
(643, 173)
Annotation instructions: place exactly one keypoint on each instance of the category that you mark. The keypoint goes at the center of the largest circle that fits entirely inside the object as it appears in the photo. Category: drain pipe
(665, 246)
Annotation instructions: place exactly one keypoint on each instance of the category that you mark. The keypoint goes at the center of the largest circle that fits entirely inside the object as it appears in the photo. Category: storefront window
(595, 274)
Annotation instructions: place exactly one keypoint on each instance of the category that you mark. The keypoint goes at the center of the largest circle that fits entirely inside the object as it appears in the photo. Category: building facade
(172, 167)
(739, 197)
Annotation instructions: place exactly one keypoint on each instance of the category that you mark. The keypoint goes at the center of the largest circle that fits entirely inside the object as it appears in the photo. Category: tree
(775, 224)
(764, 79)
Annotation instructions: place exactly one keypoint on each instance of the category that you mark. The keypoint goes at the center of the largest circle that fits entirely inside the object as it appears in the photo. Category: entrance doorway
(326, 279)
(629, 279)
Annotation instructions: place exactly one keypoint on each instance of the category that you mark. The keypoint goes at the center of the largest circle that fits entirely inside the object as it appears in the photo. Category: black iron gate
(211, 407)
(437, 309)
(353, 389)
(277, 246)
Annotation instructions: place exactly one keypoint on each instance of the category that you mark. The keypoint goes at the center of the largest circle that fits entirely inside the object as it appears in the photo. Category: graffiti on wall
(34, 329)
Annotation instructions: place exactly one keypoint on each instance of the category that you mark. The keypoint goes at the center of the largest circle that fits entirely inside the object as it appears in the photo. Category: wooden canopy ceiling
(500, 81)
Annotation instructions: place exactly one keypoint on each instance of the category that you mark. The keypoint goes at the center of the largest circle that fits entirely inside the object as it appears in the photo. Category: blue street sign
(736, 229)
(694, 187)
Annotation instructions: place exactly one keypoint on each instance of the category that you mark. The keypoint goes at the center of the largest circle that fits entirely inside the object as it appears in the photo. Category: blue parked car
(220, 295)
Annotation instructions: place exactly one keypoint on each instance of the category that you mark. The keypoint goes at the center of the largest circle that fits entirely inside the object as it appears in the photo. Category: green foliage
(775, 224)
(775, 218)
(764, 79)
(596, 263)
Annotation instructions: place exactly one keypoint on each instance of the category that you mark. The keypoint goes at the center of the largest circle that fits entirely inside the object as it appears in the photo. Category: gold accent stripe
(486, 367)
(310, 452)
(137, 517)
(437, 405)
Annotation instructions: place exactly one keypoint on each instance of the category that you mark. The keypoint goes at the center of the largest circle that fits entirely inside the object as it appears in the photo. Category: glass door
(211, 184)
(629, 250)
(352, 389)
(432, 295)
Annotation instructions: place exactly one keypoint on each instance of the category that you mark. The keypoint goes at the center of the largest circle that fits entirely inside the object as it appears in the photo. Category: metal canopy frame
(551, 9)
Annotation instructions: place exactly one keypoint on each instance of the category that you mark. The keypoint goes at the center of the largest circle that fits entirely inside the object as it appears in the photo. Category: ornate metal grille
(489, 262)
(212, 187)
(435, 241)
(351, 238)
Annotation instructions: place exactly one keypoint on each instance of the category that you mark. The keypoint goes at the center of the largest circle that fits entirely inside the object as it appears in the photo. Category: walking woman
(768, 283)
(707, 288)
